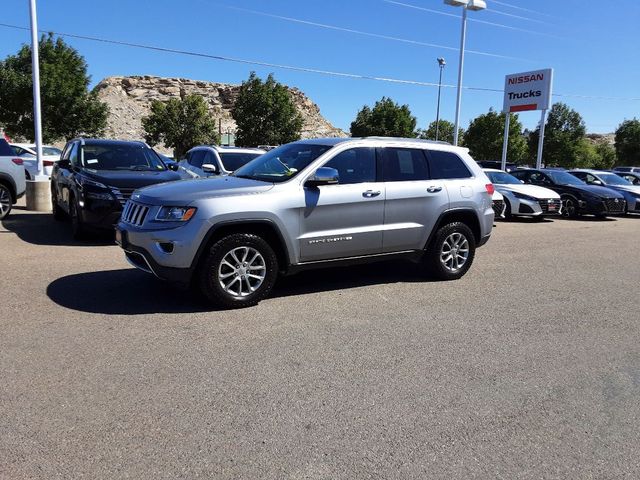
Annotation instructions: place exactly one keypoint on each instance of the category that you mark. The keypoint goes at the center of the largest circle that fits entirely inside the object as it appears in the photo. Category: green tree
(68, 108)
(385, 119)
(265, 113)
(628, 142)
(445, 132)
(181, 124)
(485, 137)
(606, 156)
(563, 138)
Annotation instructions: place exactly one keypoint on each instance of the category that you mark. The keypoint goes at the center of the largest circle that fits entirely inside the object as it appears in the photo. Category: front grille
(134, 213)
(122, 194)
(498, 207)
(614, 205)
(550, 205)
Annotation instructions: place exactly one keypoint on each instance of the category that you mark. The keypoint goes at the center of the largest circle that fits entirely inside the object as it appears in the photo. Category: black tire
(58, 213)
(6, 201)
(507, 210)
(570, 207)
(78, 230)
(214, 267)
(435, 256)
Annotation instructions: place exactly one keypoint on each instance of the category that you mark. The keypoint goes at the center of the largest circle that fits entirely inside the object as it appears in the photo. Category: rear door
(414, 200)
(344, 220)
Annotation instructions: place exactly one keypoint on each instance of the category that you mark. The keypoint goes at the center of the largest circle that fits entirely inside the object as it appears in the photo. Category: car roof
(493, 170)
(332, 141)
(108, 141)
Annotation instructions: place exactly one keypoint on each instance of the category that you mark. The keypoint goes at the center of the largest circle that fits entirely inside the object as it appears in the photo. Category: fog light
(166, 247)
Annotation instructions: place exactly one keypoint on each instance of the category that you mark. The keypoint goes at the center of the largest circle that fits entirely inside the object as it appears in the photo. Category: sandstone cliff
(129, 99)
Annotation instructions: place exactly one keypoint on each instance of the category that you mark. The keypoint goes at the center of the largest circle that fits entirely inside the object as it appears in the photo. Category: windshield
(502, 178)
(282, 163)
(563, 178)
(613, 179)
(120, 157)
(231, 161)
(51, 151)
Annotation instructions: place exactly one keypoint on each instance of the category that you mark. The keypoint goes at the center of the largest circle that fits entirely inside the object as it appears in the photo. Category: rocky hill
(129, 99)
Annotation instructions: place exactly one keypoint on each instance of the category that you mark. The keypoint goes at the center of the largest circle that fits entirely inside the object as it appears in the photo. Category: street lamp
(441, 64)
(474, 5)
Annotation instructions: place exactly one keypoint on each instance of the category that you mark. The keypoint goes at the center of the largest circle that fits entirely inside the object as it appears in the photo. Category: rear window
(5, 149)
(235, 160)
(447, 165)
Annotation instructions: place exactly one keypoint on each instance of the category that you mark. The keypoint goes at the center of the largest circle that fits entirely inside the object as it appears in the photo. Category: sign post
(524, 92)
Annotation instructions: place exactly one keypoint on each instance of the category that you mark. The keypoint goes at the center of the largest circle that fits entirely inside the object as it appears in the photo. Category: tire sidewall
(434, 265)
(567, 214)
(208, 276)
(8, 192)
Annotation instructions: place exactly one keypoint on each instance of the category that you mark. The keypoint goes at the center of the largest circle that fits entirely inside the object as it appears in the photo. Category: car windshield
(51, 151)
(231, 161)
(282, 163)
(120, 157)
(563, 178)
(502, 178)
(613, 179)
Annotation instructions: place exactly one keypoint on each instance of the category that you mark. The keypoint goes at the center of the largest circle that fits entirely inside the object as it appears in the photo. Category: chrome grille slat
(134, 213)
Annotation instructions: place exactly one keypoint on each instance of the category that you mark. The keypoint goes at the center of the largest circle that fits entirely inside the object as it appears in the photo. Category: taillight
(47, 163)
(17, 161)
(490, 188)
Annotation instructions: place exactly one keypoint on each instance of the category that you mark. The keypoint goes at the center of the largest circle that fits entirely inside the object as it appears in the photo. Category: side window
(73, 155)
(520, 176)
(447, 165)
(590, 178)
(538, 178)
(357, 165)
(196, 158)
(404, 164)
(209, 158)
(581, 175)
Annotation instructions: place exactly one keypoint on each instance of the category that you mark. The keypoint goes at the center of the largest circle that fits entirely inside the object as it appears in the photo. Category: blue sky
(592, 46)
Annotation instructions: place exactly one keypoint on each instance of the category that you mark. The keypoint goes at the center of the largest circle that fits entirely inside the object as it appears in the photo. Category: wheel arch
(10, 183)
(467, 216)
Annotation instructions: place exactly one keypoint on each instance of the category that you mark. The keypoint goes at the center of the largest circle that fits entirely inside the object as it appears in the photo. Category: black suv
(94, 178)
(578, 198)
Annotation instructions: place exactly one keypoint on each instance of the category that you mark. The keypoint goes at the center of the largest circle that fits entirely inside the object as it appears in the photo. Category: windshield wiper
(140, 168)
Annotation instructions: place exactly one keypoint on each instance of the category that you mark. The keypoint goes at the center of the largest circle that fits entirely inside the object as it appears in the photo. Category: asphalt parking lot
(528, 367)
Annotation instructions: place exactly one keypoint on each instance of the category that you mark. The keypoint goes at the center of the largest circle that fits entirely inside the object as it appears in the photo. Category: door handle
(371, 193)
(433, 189)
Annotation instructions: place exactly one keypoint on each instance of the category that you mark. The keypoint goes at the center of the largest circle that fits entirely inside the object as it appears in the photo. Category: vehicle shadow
(132, 292)
(42, 229)
(590, 218)
(527, 220)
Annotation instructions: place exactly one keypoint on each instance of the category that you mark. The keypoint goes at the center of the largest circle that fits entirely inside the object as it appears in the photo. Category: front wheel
(451, 253)
(77, 225)
(5, 201)
(238, 271)
(58, 214)
(570, 207)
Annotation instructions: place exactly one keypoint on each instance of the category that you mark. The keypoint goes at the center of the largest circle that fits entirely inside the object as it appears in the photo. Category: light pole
(474, 5)
(441, 64)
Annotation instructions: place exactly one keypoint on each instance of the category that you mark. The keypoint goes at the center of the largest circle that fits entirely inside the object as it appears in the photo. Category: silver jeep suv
(308, 204)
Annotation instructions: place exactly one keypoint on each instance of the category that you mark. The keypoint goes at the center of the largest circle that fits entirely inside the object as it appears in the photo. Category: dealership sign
(528, 91)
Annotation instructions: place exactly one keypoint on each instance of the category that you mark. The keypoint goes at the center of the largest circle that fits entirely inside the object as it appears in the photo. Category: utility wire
(504, 4)
(485, 22)
(296, 68)
(368, 34)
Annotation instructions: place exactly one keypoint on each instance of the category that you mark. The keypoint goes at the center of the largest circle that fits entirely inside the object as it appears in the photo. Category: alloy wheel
(5, 202)
(454, 252)
(242, 271)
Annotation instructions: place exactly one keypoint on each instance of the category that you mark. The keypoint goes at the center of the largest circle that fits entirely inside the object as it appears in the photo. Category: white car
(524, 199)
(211, 160)
(12, 178)
(497, 202)
(27, 152)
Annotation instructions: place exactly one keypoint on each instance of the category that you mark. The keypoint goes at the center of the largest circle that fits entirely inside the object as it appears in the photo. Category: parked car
(522, 199)
(497, 203)
(578, 198)
(631, 177)
(27, 151)
(627, 169)
(610, 180)
(94, 178)
(210, 160)
(497, 165)
(12, 178)
(308, 204)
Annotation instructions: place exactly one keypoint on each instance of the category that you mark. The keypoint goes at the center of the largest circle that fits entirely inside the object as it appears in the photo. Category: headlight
(175, 214)
(87, 182)
(522, 196)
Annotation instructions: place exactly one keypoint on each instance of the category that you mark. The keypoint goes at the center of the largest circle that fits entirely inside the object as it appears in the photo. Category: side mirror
(64, 164)
(596, 182)
(323, 176)
(173, 167)
(209, 168)
(521, 181)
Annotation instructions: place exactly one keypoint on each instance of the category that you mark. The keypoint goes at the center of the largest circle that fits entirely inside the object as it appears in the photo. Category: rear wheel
(5, 201)
(238, 271)
(451, 253)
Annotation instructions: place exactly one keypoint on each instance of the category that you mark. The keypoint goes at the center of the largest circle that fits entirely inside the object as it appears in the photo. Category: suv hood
(187, 191)
(130, 178)
(525, 189)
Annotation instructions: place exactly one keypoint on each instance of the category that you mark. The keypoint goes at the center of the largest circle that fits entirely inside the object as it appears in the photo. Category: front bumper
(141, 259)
(609, 206)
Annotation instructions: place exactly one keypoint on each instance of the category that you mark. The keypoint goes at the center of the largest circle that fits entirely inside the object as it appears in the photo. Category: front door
(346, 219)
